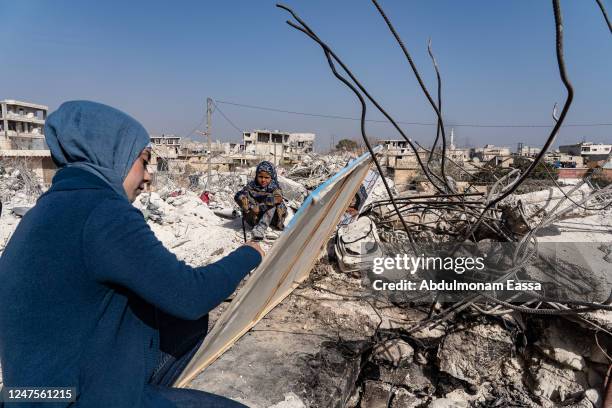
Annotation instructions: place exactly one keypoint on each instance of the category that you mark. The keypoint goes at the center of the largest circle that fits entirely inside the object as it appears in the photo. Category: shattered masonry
(355, 350)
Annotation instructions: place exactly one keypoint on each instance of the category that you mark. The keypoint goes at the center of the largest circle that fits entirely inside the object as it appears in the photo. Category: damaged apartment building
(22, 137)
(276, 146)
(171, 153)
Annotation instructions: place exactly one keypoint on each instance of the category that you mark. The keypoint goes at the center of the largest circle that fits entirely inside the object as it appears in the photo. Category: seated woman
(261, 201)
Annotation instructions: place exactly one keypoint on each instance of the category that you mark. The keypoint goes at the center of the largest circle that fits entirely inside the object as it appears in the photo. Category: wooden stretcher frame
(287, 264)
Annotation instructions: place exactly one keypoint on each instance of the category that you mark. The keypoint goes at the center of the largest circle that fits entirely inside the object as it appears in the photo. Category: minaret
(452, 139)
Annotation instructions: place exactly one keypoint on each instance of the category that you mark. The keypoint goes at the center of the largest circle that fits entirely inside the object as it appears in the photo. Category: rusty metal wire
(448, 216)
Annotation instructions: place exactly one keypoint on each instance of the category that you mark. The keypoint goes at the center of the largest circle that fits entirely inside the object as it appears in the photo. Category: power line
(474, 125)
(196, 127)
(226, 118)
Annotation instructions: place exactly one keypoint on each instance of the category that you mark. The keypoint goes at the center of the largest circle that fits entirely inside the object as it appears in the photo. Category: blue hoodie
(83, 279)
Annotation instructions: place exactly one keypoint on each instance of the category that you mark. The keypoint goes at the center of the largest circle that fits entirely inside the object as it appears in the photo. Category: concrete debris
(294, 192)
(382, 395)
(412, 377)
(522, 212)
(395, 352)
(594, 397)
(291, 401)
(331, 343)
(315, 170)
(564, 348)
(475, 354)
(357, 244)
(447, 403)
(20, 211)
(19, 185)
(229, 213)
(183, 223)
(554, 383)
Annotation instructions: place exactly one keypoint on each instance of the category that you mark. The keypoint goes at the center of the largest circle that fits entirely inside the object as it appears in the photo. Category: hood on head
(96, 138)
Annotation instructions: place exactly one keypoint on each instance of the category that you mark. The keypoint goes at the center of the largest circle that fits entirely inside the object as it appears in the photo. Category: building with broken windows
(171, 143)
(22, 138)
(278, 146)
(164, 148)
(22, 125)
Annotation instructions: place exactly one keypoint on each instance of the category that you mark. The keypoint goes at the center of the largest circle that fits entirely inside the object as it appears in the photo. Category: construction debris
(361, 350)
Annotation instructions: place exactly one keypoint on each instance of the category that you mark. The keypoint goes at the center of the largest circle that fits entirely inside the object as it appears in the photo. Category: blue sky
(160, 60)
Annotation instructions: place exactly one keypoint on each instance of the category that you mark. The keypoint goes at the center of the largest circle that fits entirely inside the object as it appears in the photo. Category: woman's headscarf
(268, 168)
(96, 138)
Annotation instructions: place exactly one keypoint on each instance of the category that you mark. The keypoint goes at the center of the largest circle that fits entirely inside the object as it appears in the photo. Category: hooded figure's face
(101, 140)
(138, 176)
(263, 178)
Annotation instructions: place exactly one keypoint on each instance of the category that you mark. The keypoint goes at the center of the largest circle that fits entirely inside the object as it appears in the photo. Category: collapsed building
(333, 342)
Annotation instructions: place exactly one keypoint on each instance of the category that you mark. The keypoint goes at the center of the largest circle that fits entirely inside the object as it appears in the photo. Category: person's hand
(255, 246)
(244, 204)
(255, 209)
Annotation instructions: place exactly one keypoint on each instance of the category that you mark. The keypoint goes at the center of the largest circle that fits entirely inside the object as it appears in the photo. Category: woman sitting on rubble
(261, 201)
(90, 298)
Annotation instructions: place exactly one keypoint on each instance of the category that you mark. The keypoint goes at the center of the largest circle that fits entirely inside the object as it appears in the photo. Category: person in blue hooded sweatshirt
(89, 298)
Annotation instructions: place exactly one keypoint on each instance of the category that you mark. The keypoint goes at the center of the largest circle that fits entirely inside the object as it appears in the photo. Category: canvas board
(286, 265)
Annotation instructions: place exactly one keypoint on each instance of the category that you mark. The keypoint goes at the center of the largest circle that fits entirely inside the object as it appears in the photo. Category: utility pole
(208, 131)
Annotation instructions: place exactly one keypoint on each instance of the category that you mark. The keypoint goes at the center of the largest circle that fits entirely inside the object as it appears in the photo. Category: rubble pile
(315, 169)
(223, 186)
(185, 225)
(333, 343)
(19, 186)
(482, 362)
(19, 190)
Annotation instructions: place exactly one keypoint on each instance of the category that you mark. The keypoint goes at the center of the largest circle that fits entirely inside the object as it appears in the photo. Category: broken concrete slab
(382, 395)
(562, 346)
(291, 401)
(552, 382)
(475, 354)
(412, 378)
(20, 211)
(294, 192)
(447, 403)
(394, 352)
(404, 399)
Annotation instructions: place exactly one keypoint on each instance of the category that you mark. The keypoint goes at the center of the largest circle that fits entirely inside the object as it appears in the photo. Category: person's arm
(120, 248)
(246, 202)
(278, 196)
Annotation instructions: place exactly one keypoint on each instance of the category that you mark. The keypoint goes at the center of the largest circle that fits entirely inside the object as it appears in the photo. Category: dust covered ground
(332, 344)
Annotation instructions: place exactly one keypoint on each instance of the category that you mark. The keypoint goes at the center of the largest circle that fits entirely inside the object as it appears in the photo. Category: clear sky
(160, 60)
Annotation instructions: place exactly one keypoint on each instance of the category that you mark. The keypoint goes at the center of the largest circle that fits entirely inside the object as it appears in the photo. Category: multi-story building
(276, 145)
(490, 152)
(563, 160)
(590, 151)
(165, 148)
(22, 125)
(22, 138)
(527, 151)
(169, 142)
